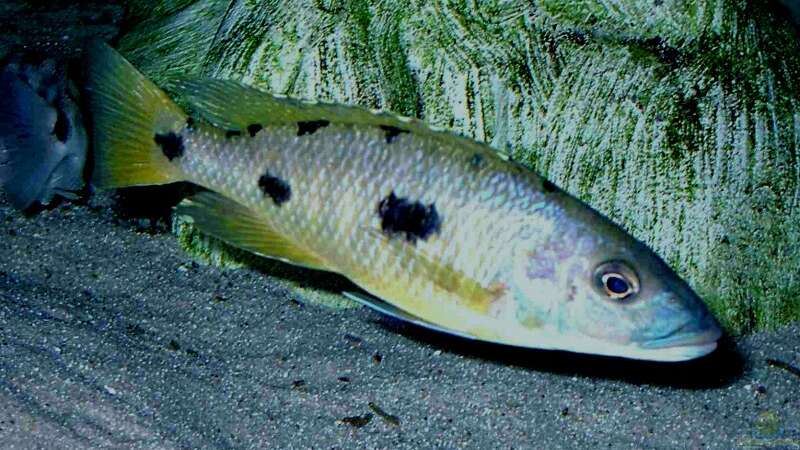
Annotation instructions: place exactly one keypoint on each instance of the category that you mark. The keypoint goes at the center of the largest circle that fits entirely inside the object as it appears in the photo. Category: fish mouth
(707, 337)
(693, 339)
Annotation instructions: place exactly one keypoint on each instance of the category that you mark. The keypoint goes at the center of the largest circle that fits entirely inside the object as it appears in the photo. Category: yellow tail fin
(136, 126)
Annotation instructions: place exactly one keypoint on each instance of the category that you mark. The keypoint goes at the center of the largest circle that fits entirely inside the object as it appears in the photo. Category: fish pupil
(617, 285)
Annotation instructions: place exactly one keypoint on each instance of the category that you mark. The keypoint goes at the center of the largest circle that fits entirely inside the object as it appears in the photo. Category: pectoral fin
(242, 227)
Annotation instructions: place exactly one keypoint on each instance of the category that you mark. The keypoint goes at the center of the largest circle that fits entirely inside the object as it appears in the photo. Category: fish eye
(615, 284)
(616, 280)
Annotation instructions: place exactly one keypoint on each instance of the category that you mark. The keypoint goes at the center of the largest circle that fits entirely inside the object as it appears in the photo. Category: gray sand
(111, 337)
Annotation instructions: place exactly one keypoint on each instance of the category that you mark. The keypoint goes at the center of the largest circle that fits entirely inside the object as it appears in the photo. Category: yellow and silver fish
(439, 230)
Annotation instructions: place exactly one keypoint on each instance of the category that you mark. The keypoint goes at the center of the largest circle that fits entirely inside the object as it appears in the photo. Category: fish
(435, 228)
(43, 143)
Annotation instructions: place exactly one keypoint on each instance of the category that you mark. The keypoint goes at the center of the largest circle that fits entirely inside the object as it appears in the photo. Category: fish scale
(334, 212)
(439, 230)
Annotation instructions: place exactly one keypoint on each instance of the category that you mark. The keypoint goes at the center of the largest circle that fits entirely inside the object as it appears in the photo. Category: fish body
(438, 229)
(333, 192)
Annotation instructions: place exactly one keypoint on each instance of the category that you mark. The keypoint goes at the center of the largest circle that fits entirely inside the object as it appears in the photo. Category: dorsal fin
(231, 105)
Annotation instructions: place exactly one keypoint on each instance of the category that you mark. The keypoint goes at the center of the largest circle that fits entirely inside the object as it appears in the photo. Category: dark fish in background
(43, 142)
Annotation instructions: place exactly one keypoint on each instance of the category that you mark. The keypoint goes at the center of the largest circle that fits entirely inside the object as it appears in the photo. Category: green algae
(679, 120)
(768, 423)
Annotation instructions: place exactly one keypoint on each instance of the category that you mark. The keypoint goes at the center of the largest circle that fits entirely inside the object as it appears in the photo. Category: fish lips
(691, 340)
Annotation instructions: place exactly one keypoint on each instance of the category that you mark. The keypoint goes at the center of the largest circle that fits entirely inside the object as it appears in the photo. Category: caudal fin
(137, 128)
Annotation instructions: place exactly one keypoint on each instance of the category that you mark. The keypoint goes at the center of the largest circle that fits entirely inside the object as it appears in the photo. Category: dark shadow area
(720, 368)
(781, 10)
(149, 208)
(44, 25)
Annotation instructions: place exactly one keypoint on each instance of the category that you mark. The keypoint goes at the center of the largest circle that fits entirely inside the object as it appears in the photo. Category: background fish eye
(616, 280)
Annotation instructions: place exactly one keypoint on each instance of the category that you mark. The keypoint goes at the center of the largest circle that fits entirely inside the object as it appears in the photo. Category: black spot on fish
(61, 127)
(391, 132)
(277, 189)
(414, 219)
(476, 161)
(190, 123)
(231, 133)
(254, 128)
(548, 186)
(311, 126)
(171, 144)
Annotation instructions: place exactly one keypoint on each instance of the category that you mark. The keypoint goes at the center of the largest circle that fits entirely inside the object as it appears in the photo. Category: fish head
(43, 144)
(596, 289)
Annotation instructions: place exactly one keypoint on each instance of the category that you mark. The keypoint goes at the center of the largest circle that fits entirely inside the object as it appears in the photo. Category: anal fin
(234, 223)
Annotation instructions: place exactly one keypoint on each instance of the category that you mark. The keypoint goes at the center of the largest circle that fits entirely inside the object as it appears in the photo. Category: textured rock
(678, 119)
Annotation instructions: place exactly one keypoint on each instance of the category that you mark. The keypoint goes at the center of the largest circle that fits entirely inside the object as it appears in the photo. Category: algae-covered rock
(678, 119)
